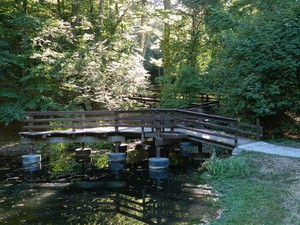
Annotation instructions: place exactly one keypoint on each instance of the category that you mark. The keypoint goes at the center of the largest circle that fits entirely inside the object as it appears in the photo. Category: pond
(94, 193)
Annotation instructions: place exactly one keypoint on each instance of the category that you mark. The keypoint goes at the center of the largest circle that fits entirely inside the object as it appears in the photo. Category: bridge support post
(117, 147)
(116, 121)
(200, 146)
(158, 151)
(31, 162)
(116, 161)
(257, 129)
(83, 155)
(158, 164)
(143, 135)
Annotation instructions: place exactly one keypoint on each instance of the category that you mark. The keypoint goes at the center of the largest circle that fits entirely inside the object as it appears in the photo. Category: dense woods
(92, 54)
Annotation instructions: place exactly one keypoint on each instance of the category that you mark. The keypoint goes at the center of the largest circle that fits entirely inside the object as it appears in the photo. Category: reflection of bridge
(112, 206)
(167, 126)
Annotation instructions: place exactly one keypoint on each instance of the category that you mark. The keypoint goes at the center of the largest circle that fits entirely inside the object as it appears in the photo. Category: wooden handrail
(164, 118)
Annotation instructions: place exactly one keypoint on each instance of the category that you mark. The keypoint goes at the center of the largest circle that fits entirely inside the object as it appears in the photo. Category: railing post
(83, 118)
(172, 122)
(157, 133)
(162, 121)
(143, 128)
(74, 124)
(31, 123)
(157, 125)
(117, 147)
(258, 131)
(152, 121)
(236, 124)
(116, 120)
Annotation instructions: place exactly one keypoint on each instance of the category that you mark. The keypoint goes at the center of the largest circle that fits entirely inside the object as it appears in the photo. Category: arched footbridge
(166, 126)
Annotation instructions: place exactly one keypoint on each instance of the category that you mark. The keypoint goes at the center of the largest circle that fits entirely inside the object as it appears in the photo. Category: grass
(229, 167)
(266, 192)
(294, 143)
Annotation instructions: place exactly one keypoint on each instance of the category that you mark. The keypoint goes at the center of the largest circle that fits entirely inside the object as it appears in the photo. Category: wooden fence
(158, 120)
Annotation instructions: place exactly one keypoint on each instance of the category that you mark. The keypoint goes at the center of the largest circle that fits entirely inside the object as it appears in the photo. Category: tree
(185, 53)
(256, 70)
(72, 55)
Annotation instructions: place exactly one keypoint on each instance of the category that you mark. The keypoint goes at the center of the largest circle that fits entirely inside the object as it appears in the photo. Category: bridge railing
(158, 120)
(63, 120)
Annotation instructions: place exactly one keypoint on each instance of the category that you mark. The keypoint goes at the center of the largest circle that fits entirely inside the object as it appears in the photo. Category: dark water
(102, 196)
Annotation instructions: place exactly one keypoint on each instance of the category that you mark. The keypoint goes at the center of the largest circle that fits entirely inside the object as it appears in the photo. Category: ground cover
(267, 193)
(293, 143)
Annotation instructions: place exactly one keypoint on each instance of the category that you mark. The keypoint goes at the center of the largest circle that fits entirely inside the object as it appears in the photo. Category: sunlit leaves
(256, 69)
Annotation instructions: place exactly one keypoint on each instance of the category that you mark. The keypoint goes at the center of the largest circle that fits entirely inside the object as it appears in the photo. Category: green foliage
(101, 145)
(184, 90)
(57, 55)
(85, 55)
(256, 70)
(100, 160)
(61, 162)
(228, 167)
(136, 156)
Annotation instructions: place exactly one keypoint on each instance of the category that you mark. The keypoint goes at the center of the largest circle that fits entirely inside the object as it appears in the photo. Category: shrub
(229, 167)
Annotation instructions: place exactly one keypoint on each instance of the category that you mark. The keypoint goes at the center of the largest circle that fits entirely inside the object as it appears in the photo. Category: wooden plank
(93, 125)
(212, 142)
(164, 118)
(247, 125)
(207, 132)
(208, 116)
(210, 125)
(62, 139)
(100, 112)
(71, 119)
(174, 135)
(144, 99)
(247, 132)
(58, 113)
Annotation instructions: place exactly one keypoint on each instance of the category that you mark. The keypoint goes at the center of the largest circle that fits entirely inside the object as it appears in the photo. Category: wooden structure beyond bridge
(166, 126)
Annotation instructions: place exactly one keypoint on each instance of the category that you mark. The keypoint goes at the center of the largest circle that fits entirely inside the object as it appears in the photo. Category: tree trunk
(59, 8)
(143, 35)
(100, 19)
(25, 9)
(75, 11)
(75, 8)
(166, 41)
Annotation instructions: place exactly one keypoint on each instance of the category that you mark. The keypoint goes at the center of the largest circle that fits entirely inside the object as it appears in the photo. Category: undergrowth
(247, 194)
(228, 167)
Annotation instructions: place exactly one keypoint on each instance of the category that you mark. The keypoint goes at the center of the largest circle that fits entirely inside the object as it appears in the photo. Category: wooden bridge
(166, 126)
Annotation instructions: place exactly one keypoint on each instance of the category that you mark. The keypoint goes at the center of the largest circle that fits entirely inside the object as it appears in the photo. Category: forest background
(90, 54)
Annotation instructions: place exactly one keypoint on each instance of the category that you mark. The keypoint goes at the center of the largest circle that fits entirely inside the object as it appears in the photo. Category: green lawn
(268, 194)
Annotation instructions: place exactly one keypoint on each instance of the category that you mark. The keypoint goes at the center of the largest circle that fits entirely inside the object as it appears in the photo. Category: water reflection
(134, 196)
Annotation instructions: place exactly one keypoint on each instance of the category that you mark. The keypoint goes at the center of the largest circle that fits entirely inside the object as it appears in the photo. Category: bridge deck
(109, 134)
(165, 125)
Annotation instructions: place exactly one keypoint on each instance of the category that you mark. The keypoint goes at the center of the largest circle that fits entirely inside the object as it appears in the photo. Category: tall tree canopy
(69, 55)
(91, 54)
(256, 69)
